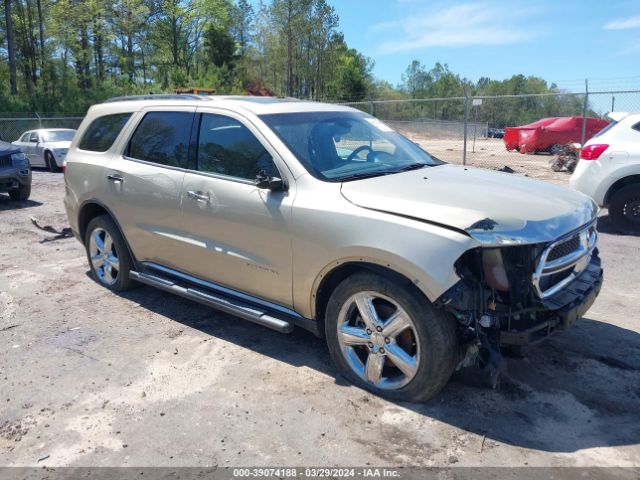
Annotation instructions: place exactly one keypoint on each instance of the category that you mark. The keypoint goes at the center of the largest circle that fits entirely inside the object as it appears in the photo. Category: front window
(343, 146)
(227, 147)
(58, 135)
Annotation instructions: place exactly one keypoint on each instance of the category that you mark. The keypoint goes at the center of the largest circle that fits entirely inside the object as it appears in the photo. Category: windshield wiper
(379, 173)
(361, 175)
(412, 166)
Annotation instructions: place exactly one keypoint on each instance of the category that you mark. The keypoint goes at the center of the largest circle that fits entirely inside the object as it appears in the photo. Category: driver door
(239, 235)
(32, 150)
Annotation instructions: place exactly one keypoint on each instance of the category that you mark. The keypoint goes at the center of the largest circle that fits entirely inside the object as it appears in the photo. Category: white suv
(609, 170)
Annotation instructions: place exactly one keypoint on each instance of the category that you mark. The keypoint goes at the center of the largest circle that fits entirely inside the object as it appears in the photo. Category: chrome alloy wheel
(104, 257)
(379, 340)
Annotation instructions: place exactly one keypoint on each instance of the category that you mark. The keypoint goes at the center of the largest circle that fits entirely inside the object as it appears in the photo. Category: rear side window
(227, 147)
(636, 127)
(162, 137)
(606, 129)
(102, 132)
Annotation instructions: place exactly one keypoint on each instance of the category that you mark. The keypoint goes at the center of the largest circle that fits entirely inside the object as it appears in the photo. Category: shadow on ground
(7, 204)
(579, 390)
(605, 225)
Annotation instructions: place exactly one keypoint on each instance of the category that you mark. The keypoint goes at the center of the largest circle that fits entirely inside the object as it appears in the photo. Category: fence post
(584, 113)
(39, 120)
(466, 114)
(371, 111)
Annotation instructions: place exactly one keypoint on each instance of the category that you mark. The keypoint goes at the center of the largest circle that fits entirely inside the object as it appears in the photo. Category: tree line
(65, 55)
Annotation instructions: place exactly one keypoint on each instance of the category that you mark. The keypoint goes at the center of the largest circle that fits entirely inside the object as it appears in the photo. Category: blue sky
(563, 41)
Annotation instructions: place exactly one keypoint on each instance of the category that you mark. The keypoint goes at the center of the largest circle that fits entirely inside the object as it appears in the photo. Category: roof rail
(156, 96)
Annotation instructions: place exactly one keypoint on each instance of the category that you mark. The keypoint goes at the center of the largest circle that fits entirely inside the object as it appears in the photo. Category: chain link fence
(476, 131)
(12, 126)
(471, 130)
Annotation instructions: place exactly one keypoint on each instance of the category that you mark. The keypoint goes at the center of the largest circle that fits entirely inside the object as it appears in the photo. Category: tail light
(593, 152)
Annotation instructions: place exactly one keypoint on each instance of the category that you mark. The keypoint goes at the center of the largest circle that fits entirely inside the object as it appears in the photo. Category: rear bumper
(558, 312)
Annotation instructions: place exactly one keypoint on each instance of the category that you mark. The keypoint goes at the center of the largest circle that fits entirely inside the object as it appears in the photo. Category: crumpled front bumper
(560, 311)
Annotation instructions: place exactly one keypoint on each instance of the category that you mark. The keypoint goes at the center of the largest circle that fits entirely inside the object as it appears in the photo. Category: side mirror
(265, 181)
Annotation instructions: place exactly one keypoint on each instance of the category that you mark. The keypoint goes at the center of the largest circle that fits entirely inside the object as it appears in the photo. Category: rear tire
(20, 194)
(624, 209)
(51, 162)
(108, 255)
(410, 361)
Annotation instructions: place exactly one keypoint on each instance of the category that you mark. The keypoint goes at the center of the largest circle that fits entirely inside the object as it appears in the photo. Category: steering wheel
(355, 153)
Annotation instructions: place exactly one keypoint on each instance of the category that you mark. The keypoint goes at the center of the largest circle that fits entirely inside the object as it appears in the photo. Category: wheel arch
(330, 278)
(623, 182)
(93, 208)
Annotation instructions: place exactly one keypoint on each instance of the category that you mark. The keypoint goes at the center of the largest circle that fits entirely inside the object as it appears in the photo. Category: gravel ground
(91, 378)
(491, 153)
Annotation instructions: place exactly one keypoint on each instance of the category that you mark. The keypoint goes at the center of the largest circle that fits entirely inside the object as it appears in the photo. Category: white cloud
(620, 24)
(462, 25)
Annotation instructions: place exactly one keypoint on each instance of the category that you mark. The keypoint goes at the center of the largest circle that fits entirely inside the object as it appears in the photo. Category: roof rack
(156, 96)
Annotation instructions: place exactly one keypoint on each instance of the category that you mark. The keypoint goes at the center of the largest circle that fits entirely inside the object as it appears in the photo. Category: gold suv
(290, 213)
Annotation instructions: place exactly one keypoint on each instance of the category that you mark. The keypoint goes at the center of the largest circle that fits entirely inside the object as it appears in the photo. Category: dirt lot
(90, 378)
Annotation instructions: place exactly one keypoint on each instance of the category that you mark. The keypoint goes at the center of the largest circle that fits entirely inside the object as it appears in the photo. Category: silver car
(46, 147)
(301, 214)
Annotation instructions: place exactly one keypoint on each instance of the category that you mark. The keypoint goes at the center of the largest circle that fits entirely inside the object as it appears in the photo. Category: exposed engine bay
(519, 295)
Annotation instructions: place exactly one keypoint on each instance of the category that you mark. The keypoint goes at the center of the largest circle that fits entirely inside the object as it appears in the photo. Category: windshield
(58, 135)
(343, 146)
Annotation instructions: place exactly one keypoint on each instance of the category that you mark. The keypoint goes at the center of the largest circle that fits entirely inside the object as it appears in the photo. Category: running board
(233, 307)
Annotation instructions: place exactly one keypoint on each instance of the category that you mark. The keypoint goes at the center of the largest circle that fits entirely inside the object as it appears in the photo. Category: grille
(5, 161)
(549, 281)
(563, 261)
(564, 248)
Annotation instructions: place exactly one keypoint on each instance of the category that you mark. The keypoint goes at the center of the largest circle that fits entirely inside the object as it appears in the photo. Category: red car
(543, 135)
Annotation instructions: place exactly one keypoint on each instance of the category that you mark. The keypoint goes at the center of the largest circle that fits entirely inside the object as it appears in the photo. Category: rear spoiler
(616, 116)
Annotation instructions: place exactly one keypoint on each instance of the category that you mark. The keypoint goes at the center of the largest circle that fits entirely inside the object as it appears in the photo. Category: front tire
(20, 194)
(384, 336)
(624, 209)
(108, 255)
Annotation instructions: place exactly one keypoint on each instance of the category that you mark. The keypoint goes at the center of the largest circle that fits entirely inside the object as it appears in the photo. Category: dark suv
(15, 172)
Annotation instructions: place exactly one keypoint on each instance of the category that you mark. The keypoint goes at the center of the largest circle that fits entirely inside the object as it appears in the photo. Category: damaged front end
(519, 295)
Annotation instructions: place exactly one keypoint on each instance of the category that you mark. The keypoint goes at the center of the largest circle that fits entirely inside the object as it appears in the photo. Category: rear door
(144, 183)
(239, 234)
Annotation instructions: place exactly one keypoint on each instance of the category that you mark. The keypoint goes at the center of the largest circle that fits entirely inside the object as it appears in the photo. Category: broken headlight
(495, 275)
(19, 160)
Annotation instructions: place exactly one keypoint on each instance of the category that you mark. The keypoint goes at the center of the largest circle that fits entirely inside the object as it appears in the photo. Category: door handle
(198, 196)
(115, 178)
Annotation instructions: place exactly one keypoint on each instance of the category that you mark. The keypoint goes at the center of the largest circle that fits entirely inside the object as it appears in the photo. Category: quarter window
(162, 137)
(229, 148)
(102, 132)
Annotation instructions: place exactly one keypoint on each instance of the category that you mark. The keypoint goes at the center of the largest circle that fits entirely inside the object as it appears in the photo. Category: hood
(495, 208)
(7, 148)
